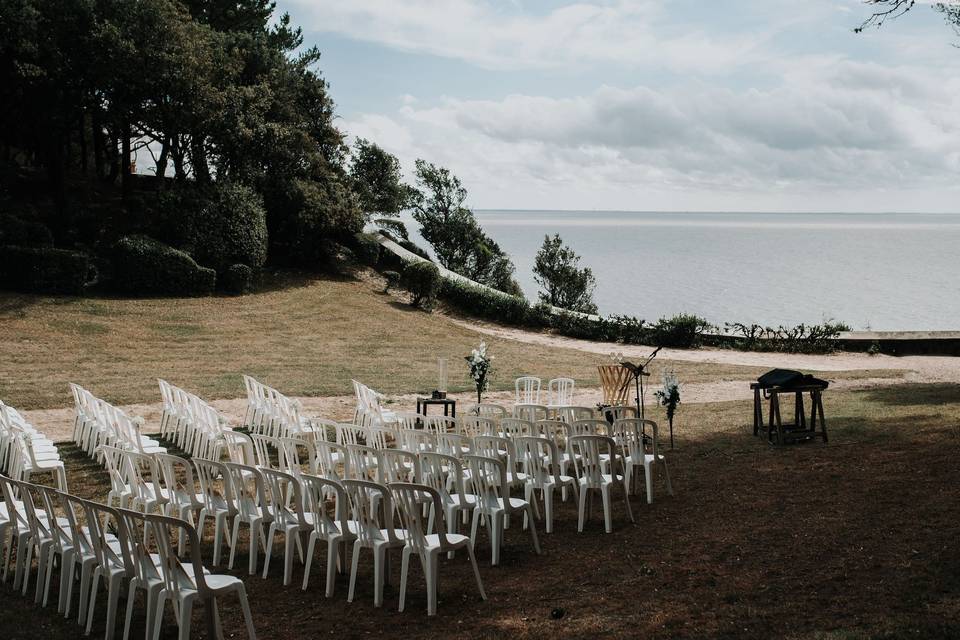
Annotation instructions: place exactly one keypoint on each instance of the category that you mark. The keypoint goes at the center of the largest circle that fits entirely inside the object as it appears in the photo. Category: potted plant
(669, 398)
(480, 366)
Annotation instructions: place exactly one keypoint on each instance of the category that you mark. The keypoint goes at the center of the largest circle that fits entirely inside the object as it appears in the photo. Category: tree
(451, 229)
(564, 283)
(376, 180)
(892, 9)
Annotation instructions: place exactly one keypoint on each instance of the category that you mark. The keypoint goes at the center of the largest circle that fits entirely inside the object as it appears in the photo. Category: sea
(872, 271)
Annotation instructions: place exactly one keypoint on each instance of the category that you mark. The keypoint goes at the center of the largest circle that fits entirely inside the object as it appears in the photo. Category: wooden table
(449, 405)
(776, 431)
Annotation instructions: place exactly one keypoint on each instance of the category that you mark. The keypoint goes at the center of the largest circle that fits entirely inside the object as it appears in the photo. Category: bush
(145, 266)
(44, 270)
(682, 331)
(817, 338)
(484, 303)
(422, 280)
(237, 279)
(219, 225)
(366, 249)
(23, 233)
(393, 280)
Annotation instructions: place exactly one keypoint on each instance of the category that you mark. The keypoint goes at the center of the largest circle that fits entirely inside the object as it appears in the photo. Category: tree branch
(894, 9)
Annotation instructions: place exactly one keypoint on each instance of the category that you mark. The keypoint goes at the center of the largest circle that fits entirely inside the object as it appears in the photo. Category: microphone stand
(639, 371)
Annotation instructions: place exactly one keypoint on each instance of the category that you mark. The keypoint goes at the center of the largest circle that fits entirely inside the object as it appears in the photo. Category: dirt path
(921, 368)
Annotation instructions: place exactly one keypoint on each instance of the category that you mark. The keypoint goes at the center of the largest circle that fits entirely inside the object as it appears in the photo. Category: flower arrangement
(480, 366)
(669, 395)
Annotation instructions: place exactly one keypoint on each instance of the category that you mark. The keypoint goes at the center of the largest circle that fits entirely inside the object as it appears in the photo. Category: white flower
(138, 420)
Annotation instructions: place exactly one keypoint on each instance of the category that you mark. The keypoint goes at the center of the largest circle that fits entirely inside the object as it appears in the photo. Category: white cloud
(846, 135)
(627, 33)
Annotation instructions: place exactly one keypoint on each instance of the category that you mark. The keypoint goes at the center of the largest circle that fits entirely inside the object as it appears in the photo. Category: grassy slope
(306, 336)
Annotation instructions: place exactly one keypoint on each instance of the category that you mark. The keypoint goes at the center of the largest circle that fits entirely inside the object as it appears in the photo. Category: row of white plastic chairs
(98, 423)
(271, 412)
(370, 409)
(559, 391)
(191, 423)
(127, 550)
(25, 452)
(334, 511)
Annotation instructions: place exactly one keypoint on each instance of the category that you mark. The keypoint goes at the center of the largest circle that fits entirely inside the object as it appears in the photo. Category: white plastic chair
(249, 505)
(185, 584)
(409, 499)
(366, 500)
(488, 477)
(560, 392)
(540, 461)
(527, 390)
(334, 530)
(215, 493)
(628, 433)
(598, 469)
(285, 506)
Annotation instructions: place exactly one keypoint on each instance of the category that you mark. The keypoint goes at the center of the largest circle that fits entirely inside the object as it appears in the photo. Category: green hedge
(44, 270)
(803, 338)
(144, 266)
(486, 304)
(366, 249)
(237, 279)
(422, 280)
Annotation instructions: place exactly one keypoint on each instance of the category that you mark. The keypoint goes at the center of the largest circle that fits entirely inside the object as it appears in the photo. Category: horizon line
(716, 211)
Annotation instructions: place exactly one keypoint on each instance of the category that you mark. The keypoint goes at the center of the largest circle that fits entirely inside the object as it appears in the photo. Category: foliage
(20, 232)
(237, 279)
(392, 227)
(218, 224)
(564, 283)
(144, 266)
(669, 394)
(802, 338)
(375, 178)
(422, 280)
(44, 270)
(392, 280)
(484, 303)
(451, 229)
(210, 91)
(480, 365)
(366, 249)
(683, 331)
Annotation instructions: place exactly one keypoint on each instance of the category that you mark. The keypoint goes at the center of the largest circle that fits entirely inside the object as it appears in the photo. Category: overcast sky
(740, 105)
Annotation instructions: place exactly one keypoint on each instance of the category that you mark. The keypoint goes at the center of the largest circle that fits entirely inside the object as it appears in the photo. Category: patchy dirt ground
(853, 539)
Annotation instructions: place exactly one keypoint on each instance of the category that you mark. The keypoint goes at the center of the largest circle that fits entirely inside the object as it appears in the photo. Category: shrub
(422, 280)
(484, 303)
(237, 279)
(366, 249)
(683, 331)
(393, 280)
(44, 270)
(23, 232)
(803, 338)
(219, 225)
(143, 266)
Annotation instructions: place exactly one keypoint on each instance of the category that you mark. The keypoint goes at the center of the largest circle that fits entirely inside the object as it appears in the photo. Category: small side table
(449, 405)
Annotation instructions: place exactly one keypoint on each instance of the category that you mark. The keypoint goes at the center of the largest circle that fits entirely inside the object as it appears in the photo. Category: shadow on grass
(915, 394)
(403, 306)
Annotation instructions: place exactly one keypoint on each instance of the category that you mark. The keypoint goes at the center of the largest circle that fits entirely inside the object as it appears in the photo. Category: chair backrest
(593, 454)
(489, 410)
(102, 521)
(350, 434)
(409, 499)
(516, 427)
(134, 534)
(215, 488)
(239, 447)
(527, 390)
(529, 412)
(263, 447)
(454, 444)
(285, 503)
(176, 578)
(377, 437)
(297, 453)
(317, 491)
(59, 531)
(444, 473)
(488, 479)
(473, 426)
(399, 466)
(328, 456)
(247, 491)
(368, 500)
(617, 412)
(591, 427)
(365, 462)
(571, 414)
(407, 419)
(539, 459)
(441, 424)
(74, 511)
(144, 478)
(560, 392)
(417, 441)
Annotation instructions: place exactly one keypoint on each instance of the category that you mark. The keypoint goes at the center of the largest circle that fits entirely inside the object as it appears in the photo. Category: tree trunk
(162, 162)
(126, 183)
(198, 159)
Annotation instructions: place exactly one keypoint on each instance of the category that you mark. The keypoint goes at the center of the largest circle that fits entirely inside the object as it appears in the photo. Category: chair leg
(379, 562)
(582, 510)
(353, 570)
(404, 567)
(430, 564)
(607, 509)
(476, 571)
(533, 534)
(648, 478)
(333, 546)
(291, 541)
(308, 561)
(186, 609)
(666, 476)
(245, 606)
(269, 551)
